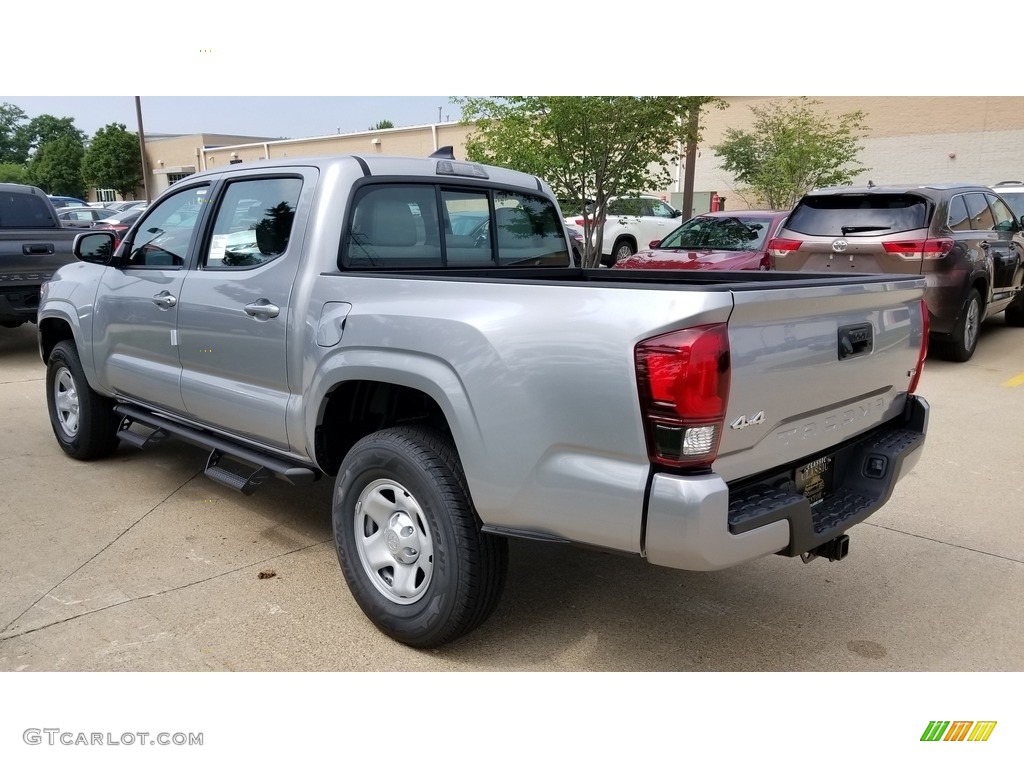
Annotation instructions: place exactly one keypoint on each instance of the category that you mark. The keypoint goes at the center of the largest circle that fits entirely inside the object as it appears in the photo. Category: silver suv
(963, 238)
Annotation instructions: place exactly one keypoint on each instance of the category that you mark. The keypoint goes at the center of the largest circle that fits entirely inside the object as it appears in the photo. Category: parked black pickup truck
(33, 245)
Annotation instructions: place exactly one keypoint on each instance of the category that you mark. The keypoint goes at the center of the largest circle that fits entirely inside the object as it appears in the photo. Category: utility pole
(142, 149)
(691, 162)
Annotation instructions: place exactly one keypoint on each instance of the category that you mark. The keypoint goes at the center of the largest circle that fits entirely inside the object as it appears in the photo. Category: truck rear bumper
(19, 304)
(703, 524)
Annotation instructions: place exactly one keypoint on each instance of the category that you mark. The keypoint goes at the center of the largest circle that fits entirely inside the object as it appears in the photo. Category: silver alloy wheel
(972, 324)
(394, 542)
(65, 402)
(624, 251)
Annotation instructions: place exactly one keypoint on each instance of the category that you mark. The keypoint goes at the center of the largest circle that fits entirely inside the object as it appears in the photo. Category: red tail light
(923, 352)
(919, 249)
(781, 246)
(683, 378)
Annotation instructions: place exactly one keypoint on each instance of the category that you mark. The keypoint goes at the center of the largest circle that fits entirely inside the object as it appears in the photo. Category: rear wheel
(961, 344)
(623, 250)
(83, 421)
(409, 540)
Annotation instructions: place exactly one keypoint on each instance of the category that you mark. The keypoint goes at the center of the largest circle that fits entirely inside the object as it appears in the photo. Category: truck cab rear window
(843, 215)
(430, 226)
(21, 211)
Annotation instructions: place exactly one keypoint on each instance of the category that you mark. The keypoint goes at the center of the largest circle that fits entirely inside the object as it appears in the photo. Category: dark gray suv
(963, 238)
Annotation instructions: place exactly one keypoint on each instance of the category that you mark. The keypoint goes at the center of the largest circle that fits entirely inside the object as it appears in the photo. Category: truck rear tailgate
(815, 366)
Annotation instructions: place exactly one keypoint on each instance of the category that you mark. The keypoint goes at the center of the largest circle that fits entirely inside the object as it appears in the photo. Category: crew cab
(321, 317)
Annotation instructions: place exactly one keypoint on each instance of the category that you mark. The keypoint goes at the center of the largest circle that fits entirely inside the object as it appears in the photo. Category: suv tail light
(914, 250)
(923, 352)
(683, 379)
(781, 246)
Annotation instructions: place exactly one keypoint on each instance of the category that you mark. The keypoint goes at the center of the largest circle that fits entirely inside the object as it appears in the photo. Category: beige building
(910, 139)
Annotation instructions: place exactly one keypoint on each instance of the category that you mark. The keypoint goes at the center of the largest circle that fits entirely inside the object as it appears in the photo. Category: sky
(263, 116)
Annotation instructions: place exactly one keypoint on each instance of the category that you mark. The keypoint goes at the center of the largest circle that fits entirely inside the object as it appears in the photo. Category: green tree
(588, 148)
(56, 167)
(381, 125)
(791, 149)
(13, 173)
(113, 161)
(14, 141)
(45, 128)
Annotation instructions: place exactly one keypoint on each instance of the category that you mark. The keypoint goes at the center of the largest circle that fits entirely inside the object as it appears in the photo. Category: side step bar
(263, 465)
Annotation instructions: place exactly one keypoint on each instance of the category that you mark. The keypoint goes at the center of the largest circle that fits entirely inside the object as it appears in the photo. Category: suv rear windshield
(840, 215)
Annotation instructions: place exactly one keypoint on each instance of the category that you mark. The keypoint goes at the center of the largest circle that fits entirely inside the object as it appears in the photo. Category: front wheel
(1014, 314)
(409, 540)
(83, 421)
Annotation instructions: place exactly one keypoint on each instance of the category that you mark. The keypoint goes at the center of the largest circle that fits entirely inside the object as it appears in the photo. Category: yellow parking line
(1016, 381)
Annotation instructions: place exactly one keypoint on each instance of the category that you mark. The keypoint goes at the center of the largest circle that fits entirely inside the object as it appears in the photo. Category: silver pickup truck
(416, 328)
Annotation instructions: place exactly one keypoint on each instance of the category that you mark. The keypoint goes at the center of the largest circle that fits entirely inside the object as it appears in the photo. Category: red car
(720, 240)
(119, 223)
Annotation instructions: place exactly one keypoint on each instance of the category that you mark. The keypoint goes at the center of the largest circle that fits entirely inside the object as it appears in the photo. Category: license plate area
(814, 480)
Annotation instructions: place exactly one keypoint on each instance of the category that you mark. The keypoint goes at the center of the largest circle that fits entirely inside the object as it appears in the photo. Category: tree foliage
(14, 140)
(381, 125)
(588, 148)
(13, 173)
(56, 166)
(791, 149)
(46, 128)
(113, 161)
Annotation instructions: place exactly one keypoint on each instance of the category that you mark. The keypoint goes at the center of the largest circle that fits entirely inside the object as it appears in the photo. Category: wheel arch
(355, 398)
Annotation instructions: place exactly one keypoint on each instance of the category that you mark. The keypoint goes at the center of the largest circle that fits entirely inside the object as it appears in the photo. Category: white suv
(1012, 193)
(631, 224)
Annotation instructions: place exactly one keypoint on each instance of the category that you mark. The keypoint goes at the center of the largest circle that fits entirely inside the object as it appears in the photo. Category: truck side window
(254, 223)
(162, 237)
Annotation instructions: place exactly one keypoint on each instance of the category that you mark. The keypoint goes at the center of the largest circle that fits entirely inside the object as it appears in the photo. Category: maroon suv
(962, 238)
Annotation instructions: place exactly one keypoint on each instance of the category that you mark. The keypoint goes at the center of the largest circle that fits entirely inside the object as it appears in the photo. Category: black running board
(260, 465)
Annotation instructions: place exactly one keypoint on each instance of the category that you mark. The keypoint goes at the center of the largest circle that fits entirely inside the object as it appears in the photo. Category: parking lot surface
(139, 562)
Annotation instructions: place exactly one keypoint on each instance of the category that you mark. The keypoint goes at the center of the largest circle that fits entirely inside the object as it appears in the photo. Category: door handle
(164, 300)
(262, 309)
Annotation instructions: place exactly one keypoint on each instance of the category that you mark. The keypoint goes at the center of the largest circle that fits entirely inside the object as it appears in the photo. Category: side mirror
(677, 214)
(654, 243)
(94, 247)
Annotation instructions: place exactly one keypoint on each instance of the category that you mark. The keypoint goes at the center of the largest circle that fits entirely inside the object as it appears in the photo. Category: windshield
(840, 215)
(721, 233)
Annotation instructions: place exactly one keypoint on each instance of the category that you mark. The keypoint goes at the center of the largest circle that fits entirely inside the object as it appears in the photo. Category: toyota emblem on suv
(839, 245)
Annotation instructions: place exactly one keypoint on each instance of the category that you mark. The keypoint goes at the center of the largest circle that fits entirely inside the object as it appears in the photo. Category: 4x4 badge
(839, 245)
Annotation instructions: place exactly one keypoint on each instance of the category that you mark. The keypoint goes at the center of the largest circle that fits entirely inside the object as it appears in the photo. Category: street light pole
(142, 148)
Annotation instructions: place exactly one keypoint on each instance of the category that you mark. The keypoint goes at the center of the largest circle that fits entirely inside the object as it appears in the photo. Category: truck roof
(393, 165)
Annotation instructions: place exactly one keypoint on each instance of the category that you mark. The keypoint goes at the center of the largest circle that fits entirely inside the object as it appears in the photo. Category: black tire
(623, 249)
(446, 575)
(960, 345)
(1014, 314)
(83, 421)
